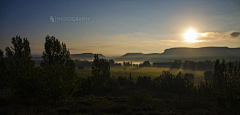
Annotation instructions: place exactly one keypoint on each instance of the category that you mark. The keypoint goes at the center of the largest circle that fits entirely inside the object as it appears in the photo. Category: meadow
(153, 72)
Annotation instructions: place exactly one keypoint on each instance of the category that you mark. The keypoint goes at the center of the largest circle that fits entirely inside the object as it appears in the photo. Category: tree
(176, 65)
(226, 86)
(146, 64)
(56, 54)
(111, 62)
(20, 68)
(19, 53)
(100, 73)
(59, 71)
(208, 75)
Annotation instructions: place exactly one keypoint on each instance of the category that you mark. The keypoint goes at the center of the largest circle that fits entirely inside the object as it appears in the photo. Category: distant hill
(133, 54)
(182, 53)
(200, 51)
(85, 56)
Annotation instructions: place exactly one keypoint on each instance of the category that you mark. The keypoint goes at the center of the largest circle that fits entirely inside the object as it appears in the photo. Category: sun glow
(190, 36)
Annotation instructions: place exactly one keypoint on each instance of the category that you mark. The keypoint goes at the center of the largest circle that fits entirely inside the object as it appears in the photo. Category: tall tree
(100, 73)
(19, 53)
(20, 68)
(56, 53)
(226, 86)
(100, 70)
(59, 68)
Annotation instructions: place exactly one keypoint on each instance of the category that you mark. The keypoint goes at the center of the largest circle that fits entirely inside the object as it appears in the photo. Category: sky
(116, 27)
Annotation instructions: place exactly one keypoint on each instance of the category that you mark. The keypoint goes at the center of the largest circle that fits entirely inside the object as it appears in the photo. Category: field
(142, 71)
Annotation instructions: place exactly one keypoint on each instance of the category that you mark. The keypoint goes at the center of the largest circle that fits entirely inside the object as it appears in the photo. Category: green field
(142, 71)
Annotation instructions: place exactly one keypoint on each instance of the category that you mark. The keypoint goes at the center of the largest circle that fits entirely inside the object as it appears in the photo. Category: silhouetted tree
(111, 62)
(100, 73)
(226, 86)
(176, 65)
(144, 81)
(21, 80)
(56, 53)
(171, 83)
(208, 75)
(189, 77)
(19, 53)
(60, 80)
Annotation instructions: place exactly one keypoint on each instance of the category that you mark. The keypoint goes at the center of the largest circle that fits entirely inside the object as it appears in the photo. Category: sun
(190, 35)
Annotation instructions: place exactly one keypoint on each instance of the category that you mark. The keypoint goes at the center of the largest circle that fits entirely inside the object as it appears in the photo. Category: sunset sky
(117, 27)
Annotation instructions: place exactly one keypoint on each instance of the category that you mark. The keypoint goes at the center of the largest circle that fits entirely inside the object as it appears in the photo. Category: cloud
(231, 34)
(210, 34)
(235, 34)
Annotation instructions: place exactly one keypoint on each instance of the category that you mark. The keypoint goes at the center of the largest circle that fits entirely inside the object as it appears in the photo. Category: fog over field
(120, 57)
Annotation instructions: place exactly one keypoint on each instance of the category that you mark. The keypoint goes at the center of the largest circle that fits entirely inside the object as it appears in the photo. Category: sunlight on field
(142, 71)
(136, 71)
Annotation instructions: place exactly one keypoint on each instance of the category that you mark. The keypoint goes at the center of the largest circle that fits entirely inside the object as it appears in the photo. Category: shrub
(122, 80)
(144, 81)
(140, 98)
(114, 85)
(100, 100)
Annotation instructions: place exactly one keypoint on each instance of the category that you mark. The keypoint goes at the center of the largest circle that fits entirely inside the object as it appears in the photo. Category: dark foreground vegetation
(54, 88)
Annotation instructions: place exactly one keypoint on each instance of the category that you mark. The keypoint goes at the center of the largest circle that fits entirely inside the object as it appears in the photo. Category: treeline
(191, 65)
(206, 65)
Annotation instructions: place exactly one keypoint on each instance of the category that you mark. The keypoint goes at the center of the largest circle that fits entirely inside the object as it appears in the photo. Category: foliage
(201, 66)
(19, 69)
(114, 85)
(145, 64)
(100, 74)
(171, 83)
(140, 98)
(100, 100)
(208, 75)
(189, 77)
(124, 80)
(59, 77)
(111, 62)
(226, 86)
(176, 64)
(57, 84)
(57, 54)
(144, 81)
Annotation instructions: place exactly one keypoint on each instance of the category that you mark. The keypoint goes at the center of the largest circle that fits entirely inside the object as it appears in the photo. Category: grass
(142, 71)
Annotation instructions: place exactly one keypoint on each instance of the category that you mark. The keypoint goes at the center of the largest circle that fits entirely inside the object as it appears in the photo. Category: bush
(100, 100)
(140, 98)
(122, 80)
(114, 85)
(57, 84)
(144, 81)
